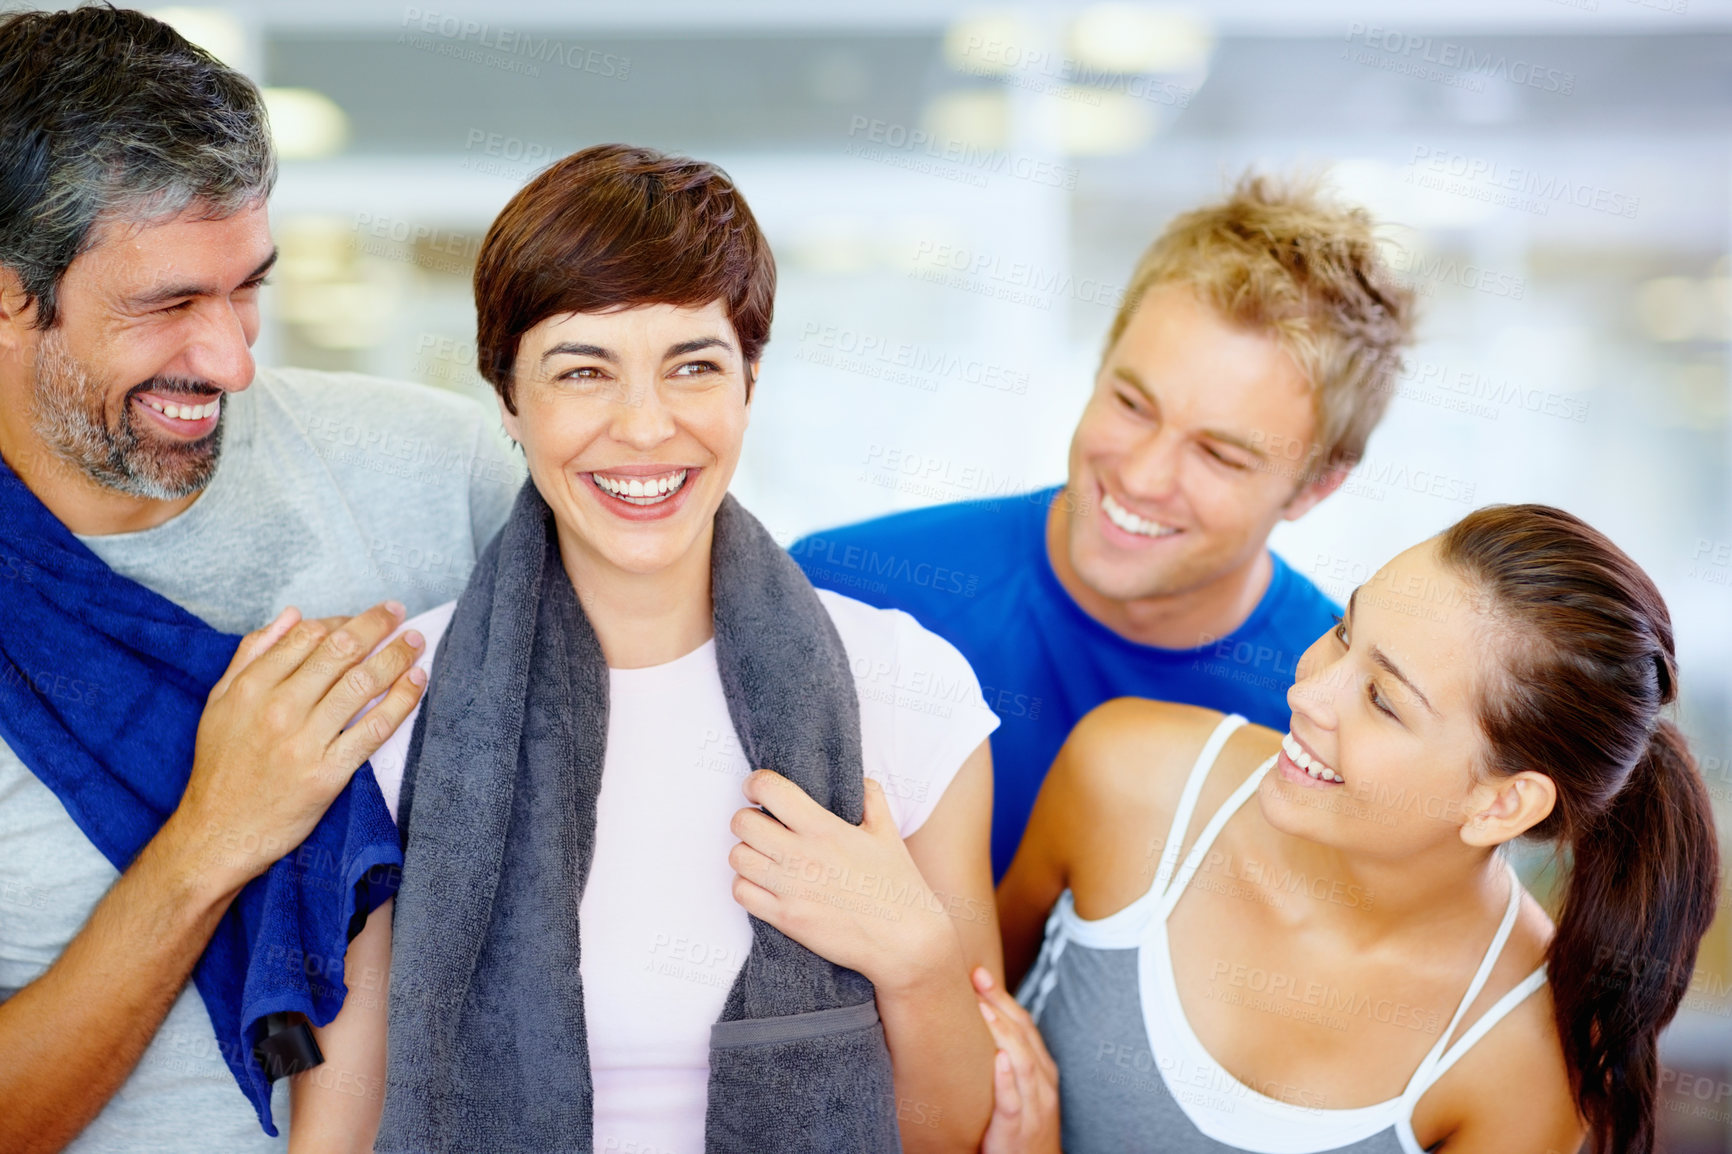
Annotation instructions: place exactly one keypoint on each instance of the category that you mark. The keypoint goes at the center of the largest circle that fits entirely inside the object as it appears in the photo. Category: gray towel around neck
(487, 1044)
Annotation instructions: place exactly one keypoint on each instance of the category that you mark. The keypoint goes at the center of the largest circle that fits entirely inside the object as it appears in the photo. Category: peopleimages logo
(1513, 186)
(972, 163)
(1421, 267)
(512, 49)
(1487, 62)
(1462, 390)
(845, 561)
(496, 154)
(1070, 79)
(876, 356)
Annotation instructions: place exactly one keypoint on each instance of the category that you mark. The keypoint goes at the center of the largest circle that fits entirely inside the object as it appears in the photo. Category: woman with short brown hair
(595, 946)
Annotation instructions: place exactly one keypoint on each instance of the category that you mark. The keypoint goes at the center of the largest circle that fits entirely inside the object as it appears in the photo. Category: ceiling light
(1135, 38)
(213, 29)
(1113, 125)
(990, 43)
(976, 117)
(305, 123)
(1671, 308)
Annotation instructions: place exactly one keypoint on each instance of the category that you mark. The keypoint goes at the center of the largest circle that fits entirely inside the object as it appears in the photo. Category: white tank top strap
(1188, 802)
(1434, 1064)
(1125, 928)
(1194, 859)
(1487, 1020)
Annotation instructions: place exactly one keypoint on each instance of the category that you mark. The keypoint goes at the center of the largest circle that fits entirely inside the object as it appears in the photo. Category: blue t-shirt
(977, 574)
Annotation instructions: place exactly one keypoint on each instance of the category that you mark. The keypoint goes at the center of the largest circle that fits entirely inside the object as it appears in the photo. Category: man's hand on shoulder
(276, 744)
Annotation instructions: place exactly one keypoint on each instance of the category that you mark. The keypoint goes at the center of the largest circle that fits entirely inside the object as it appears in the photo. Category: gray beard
(69, 415)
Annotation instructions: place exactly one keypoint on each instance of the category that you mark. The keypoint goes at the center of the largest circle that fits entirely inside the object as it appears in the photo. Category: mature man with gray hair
(157, 489)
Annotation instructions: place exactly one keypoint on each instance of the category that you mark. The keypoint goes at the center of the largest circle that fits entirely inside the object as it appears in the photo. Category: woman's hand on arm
(335, 1107)
(1025, 1114)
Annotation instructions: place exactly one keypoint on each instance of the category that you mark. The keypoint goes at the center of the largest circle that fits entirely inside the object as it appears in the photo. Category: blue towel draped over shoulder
(102, 683)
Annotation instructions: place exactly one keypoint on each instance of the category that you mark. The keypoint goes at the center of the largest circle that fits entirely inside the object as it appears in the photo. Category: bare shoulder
(1510, 1092)
(1132, 751)
(1135, 750)
(1117, 785)
(1140, 729)
(1512, 1089)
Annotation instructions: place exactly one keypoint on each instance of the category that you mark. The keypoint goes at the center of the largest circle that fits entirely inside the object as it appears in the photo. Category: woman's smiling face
(1383, 752)
(631, 423)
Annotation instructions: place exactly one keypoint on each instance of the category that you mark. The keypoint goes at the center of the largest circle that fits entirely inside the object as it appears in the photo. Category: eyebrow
(1383, 662)
(176, 292)
(1130, 378)
(693, 346)
(576, 349)
(573, 349)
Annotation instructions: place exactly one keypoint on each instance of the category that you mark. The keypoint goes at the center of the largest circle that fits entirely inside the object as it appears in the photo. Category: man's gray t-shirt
(334, 492)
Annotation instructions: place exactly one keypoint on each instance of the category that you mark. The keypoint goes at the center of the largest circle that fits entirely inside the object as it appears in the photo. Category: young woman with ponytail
(1313, 942)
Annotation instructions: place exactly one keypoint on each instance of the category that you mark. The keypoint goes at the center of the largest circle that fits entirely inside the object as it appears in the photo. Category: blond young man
(1249, 362)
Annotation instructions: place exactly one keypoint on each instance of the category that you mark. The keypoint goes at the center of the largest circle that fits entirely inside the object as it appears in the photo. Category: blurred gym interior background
(956, 195)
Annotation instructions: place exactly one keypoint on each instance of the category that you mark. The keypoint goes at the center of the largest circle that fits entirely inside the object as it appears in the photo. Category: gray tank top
(1133, 1076)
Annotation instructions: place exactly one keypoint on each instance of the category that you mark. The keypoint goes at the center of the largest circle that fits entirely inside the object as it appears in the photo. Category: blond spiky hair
(1278, 256)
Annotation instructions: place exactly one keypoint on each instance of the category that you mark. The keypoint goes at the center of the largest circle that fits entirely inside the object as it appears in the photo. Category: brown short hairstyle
(1277, 257)
(612, 227)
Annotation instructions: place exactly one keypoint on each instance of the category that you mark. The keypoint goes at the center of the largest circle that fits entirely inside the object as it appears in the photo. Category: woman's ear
(1512, 806)
(752, 381)
(513, 428)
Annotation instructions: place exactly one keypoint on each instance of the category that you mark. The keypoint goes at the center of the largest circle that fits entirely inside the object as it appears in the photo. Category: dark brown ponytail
(1586, 670)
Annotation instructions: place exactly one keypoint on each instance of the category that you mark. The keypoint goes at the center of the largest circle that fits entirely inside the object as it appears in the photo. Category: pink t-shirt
(663, 937)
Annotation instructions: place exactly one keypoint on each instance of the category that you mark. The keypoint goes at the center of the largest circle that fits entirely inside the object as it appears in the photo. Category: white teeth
(1130, 522)
(1311, 765)
(641, 490)
(187, 412)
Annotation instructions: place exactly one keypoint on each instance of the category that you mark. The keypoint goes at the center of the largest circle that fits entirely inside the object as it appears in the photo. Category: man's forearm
(942, 1054)
(275, 746)
(69, 1039)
